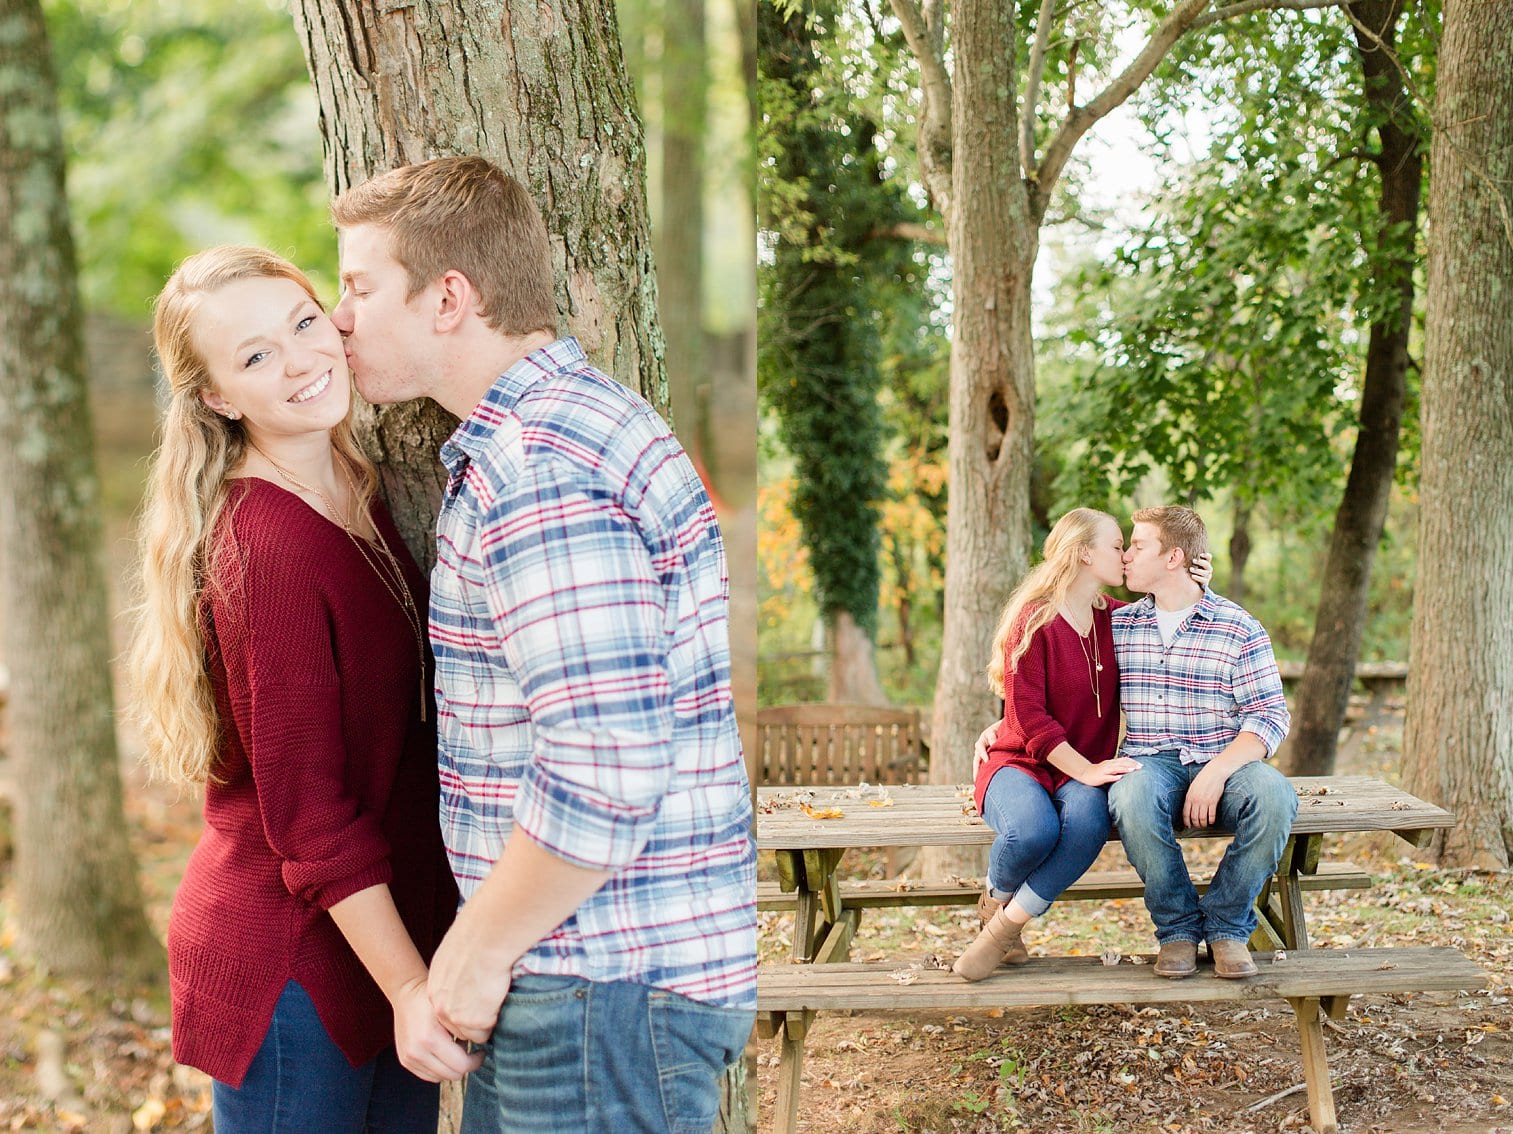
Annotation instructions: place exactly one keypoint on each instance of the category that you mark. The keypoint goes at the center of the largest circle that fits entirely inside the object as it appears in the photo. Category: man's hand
(469, 981)
(980, 749)
(1106, 772)
(423, 1045)
(1204, 793)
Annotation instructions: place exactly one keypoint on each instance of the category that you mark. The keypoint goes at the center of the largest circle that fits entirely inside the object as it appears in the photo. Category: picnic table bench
(810, 830)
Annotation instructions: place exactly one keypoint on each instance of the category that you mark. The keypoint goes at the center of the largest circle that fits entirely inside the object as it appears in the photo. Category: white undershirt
(1168, 621)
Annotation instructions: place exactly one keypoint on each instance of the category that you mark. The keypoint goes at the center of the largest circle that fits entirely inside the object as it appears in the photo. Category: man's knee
(1264, 795)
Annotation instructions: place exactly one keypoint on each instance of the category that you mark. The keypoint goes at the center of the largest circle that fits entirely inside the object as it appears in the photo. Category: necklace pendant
(1100, 667)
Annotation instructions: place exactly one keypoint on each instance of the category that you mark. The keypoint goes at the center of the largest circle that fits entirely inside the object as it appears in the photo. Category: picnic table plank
(934, 815)
(1311, 973)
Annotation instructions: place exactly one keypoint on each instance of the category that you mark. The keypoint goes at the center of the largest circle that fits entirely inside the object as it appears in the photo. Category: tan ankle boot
(1000, 943)
(987, 906)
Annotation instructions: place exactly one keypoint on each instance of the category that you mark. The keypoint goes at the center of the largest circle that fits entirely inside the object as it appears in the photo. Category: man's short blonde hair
(467, 214)
(1177, 527)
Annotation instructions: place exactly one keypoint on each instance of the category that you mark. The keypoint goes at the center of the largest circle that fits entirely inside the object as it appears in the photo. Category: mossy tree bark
(78, 901)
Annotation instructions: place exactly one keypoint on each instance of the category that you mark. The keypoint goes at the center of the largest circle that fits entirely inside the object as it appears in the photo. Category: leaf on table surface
(822, 812)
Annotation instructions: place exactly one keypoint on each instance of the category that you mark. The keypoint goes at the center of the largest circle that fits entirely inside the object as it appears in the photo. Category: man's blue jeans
(300, 1083)
(1258, 805)
(1045, 842)
(576, 1055)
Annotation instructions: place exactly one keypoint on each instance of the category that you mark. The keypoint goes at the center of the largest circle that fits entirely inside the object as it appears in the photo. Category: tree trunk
(1324, 692)
(1239, 553)
(853, 664)
(1458, 742)
(680, 235)
(78, 902)
(540, 90)
(990, 454)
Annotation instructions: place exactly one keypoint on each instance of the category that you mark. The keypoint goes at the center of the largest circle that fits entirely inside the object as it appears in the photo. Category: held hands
(423, 1045)
(468, 982)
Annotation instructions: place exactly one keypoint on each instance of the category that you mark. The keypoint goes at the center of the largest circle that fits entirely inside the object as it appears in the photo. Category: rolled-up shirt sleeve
(581, 616)
(1258, 691)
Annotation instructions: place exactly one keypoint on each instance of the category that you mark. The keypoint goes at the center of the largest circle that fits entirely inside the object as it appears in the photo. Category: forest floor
(81, 1057)
(1416, 1064)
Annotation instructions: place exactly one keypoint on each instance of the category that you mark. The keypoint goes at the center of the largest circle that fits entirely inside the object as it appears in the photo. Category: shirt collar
(475, 433)
(1206, 608)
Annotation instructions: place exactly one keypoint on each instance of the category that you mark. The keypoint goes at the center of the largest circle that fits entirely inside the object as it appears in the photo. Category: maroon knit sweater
(1049, 699)
(327, 785)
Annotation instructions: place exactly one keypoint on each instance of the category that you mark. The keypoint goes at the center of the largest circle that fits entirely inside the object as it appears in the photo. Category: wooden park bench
(839, 744)
(809, 831)
(1309, 980)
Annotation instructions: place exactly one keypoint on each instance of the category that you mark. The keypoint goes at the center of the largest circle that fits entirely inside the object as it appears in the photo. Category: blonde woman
(1043, 786)
(280, 661)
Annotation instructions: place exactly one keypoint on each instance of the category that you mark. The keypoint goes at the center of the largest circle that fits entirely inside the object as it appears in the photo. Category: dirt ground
(80, 1058)
(1416, 1064)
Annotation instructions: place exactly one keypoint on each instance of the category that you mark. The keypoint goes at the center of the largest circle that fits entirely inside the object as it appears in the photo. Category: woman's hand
(980, 749)
(1106, 772)
(425, 1047)
(1202, 569)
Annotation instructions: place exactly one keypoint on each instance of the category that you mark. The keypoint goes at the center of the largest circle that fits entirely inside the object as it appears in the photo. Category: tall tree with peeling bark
(1458, 739)
(540, 90)
(78, 902)
(994, 139)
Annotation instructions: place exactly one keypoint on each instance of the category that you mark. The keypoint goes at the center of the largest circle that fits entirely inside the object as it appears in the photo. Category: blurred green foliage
(1209, 350)
(187, 124)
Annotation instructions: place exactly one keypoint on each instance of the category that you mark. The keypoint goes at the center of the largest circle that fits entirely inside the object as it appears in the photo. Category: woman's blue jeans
(301, 1083)
(1258, 805)
(1045, 841)
(570, 1054)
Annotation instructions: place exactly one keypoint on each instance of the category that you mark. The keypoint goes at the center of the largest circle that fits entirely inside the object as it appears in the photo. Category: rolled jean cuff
(1031, 902)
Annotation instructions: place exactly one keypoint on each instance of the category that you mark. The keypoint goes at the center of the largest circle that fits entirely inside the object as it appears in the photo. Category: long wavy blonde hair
(187, 488)
(1044, 589)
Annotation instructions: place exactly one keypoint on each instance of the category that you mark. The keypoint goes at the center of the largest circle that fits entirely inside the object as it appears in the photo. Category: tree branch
(1034, 73)
(925, 33)
(1244, 6)
(1079, 120)
(925, 44)
(909, 230)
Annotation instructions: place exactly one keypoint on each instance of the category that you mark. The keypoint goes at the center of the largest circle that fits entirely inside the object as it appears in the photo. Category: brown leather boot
(1232, 960)
(1177, 959)
(987, 906)
(1000, 943)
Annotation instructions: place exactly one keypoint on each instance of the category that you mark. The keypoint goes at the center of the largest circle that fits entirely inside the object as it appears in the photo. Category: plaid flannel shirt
(1216, 680)
(579, 616)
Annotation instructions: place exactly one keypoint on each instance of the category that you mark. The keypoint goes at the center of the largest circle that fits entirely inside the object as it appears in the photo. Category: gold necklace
(1094, 661)
(398, 590)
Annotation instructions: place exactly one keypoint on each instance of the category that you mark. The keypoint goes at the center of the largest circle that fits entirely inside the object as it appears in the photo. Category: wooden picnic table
(809, 831)
(810, 842)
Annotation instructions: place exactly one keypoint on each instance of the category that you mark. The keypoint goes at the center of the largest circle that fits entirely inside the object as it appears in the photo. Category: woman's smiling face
(274, 358)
